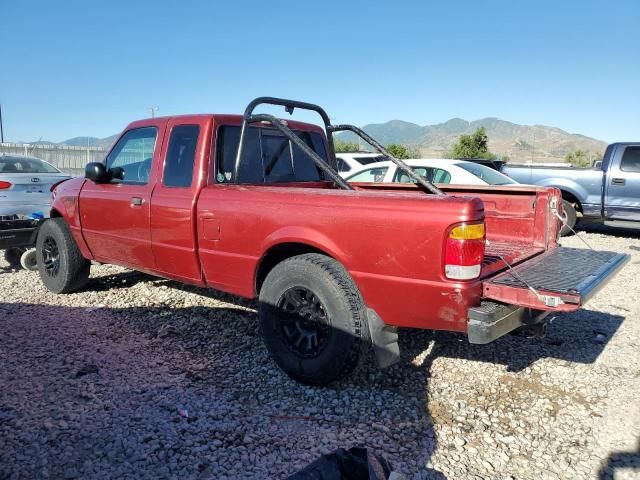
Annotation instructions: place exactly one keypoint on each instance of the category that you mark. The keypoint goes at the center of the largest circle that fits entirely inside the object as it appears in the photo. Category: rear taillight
(4, 185)
(464, 252)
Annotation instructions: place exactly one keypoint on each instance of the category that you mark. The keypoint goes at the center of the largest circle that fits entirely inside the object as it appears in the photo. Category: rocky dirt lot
(136, 377)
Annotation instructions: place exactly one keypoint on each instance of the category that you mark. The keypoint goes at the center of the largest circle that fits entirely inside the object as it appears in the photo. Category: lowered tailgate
(561, 279)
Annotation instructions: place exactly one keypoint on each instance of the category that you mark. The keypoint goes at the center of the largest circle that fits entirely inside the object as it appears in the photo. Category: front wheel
(312, 318)
(61, 266)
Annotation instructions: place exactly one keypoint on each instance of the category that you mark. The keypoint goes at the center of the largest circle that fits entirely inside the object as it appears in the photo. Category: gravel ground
(137, 377)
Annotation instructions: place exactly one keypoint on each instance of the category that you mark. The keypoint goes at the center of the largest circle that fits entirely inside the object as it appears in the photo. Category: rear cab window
(267, 156)
(631, 160)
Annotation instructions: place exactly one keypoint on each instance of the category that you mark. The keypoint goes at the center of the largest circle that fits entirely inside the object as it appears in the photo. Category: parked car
(608, 194)
(25, 198)
(494, 163)
(348, 163)
(254, 206)
(26, 184)
(435, 170)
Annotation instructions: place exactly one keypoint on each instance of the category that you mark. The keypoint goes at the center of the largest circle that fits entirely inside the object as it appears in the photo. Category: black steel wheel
(304, 322)
(50, 256)
(313, 319)
(61, 266)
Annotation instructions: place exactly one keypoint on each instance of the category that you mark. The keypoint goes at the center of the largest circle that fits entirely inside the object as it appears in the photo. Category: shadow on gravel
(573, 337)
(7, 270)
(618, 462)
(101, 391)
(117, 280)
(605, 230)
(212, 361)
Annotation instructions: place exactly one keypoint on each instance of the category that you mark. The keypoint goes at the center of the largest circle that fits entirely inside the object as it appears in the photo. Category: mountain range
(80, 142)
(519, 142)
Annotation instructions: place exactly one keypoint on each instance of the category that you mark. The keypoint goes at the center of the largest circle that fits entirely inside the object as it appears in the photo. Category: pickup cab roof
(220, 119)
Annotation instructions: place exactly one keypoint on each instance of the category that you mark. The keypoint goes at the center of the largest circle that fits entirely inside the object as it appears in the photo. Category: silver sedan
(25, 186)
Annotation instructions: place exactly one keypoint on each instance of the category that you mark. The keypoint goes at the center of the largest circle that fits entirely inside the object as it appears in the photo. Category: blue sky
(88, 68)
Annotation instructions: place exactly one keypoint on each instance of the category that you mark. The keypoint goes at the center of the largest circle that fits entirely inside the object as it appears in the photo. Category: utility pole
(153, 111)
(1, 128)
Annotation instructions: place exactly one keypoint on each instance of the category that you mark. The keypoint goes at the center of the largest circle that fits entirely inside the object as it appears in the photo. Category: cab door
(186, 156)
(115, 215)
(622, 201)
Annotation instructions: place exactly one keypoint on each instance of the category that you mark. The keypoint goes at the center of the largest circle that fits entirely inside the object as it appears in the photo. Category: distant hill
(90, 141)
(519, 142)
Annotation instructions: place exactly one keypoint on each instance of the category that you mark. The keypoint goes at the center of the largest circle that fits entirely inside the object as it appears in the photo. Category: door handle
(617, 181)
(136, 201)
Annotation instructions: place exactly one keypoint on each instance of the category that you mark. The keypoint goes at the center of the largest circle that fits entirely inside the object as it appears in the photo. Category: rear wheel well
(571, 198)
(277, 254)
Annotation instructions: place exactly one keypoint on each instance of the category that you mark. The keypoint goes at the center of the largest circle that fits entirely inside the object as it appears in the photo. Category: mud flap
(384, 339)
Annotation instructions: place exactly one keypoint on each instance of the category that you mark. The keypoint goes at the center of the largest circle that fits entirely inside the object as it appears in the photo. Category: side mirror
(96, 172)
(116, 173)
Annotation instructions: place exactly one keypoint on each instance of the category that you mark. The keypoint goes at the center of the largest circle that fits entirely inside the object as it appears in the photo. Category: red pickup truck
(252, 205)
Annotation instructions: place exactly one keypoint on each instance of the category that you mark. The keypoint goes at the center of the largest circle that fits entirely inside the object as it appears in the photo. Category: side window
(441, 176)
(432, 175)
(342, 165)
(178, 166)
(370, 175)
(631, 160)
(133, 154)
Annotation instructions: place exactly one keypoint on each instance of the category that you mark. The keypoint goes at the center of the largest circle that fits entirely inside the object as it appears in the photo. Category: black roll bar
(331, 170)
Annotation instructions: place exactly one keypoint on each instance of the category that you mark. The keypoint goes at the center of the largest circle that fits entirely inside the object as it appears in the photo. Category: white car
(435, 170)
(26, 184)
(349, 163)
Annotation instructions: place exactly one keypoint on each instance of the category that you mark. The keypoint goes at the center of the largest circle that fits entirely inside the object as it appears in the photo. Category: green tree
(581, 158)
(345, 147)
(402, 151)
(475, 145)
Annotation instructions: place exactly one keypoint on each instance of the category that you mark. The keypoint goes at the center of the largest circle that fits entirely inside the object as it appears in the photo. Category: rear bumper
(561, 280)
(491, 321)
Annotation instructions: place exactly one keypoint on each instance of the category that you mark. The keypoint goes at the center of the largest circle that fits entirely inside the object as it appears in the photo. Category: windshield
(370, 160)
(25, 165)
(486, 174)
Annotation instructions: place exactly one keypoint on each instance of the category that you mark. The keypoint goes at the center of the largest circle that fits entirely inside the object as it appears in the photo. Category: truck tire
(312, 318)
(62, 267)
(12, 256)
(29, 260)
(570, 217)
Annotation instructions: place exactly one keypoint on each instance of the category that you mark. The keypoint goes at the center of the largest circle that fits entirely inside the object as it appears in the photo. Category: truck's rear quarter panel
(389, 239)
(391, 243)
